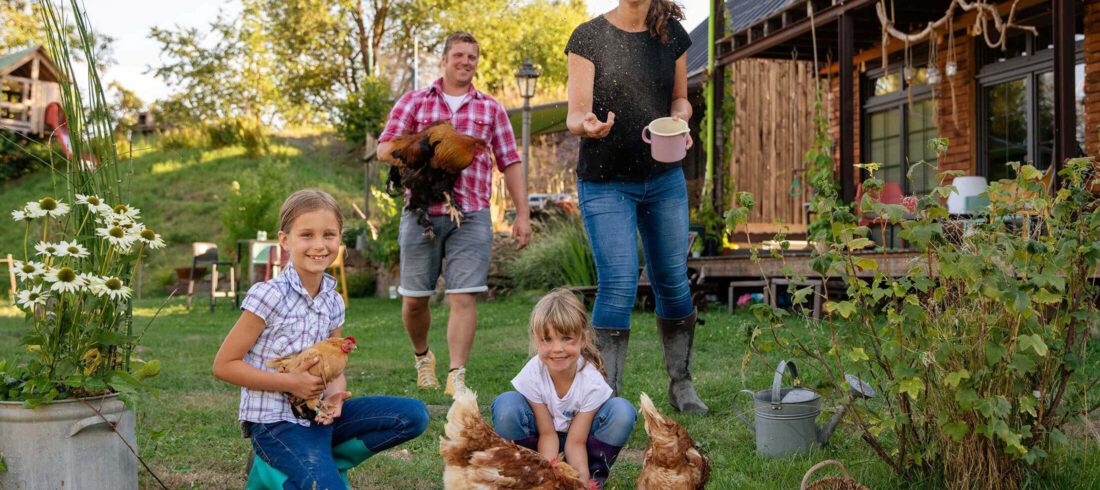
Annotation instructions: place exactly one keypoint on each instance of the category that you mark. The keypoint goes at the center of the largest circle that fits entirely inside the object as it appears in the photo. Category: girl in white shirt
(562, 402)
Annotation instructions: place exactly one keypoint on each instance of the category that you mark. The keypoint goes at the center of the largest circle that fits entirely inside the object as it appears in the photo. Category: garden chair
(891, 194)
(337, 269)
(205, 254)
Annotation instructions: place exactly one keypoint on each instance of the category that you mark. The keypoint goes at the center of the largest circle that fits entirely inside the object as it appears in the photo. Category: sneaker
(456, 381)
(425, 371)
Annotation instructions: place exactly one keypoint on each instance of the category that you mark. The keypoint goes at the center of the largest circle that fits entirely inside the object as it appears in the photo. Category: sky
(128, 21)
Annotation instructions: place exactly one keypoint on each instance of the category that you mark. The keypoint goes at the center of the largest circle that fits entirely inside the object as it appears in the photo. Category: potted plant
(82, 247)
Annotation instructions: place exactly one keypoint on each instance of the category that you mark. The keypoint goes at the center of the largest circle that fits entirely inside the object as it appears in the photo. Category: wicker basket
(830, 482)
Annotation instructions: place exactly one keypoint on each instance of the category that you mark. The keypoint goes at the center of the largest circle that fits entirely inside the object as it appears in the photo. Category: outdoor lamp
(526, 77)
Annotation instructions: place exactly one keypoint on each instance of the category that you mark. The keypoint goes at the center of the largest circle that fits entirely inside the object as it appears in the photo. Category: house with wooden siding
(29, 82)
(1033, 98)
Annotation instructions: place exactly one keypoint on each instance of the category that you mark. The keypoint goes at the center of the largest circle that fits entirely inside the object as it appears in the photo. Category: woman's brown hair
(657, 19)
(562, 312)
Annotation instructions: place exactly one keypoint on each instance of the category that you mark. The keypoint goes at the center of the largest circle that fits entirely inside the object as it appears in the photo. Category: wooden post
(370, 154)
(1065, 120)
(847, 142)
(11, 277)
(719, 84)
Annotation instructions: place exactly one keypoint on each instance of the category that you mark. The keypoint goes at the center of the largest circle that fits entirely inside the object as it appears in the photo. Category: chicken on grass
(429, 163)
(671, 462)
(476, 458)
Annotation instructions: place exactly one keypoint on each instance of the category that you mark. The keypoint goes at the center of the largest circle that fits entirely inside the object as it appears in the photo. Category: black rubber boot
(612, 344)
(677, 336)
(600, 458)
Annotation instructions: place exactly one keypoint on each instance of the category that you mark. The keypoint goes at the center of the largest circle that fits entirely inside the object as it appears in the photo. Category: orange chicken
(671, 462)
(429, 163)
(476, 458)
(333, 355)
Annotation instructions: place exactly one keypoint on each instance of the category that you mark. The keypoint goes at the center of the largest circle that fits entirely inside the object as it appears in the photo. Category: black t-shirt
(635, 74)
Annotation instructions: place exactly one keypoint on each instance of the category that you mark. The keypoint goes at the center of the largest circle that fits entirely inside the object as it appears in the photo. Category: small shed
(29, 82)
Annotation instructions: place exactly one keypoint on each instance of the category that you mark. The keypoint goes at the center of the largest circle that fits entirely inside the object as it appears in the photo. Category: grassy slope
(202, 446)
(180, 193)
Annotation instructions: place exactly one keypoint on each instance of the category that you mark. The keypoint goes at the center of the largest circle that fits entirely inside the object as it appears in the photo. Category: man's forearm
(517, 188)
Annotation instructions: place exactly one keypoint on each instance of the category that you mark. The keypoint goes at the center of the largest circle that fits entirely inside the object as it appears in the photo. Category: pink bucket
(671, 139)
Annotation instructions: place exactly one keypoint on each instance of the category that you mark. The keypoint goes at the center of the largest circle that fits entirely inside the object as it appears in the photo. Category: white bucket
(967, 186)
(65, 444)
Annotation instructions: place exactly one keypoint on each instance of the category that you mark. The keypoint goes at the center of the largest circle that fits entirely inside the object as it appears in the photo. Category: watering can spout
(826, 431)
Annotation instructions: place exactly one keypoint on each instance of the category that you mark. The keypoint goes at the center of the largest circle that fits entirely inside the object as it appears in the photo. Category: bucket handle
(777, 380)
(111, 419)
(752, 396)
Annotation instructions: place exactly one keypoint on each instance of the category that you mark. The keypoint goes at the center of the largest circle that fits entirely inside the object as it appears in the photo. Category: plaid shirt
(480, 116)
(293, 321)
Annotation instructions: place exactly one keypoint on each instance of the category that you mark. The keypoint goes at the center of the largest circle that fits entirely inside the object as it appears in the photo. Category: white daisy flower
(111, 287)
(117, 236)
(52, 207)
(73, 249)
(49, 249)
(132, 213)
(150, 238)
(29, 298)
(65, 280)
(33, 210)
(94, 203)
(29, 270)
(20, 215)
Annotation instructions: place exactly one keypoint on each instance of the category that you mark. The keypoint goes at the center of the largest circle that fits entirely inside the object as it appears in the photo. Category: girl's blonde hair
(561, 312)
(307, 201)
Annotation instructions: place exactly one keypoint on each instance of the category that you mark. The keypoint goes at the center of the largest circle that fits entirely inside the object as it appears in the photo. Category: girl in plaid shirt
(286, 315)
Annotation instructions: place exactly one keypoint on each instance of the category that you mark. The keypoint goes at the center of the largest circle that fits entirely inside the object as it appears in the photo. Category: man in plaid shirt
(466, 248)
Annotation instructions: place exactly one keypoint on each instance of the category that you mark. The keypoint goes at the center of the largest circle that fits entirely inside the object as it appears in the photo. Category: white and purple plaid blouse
(293, 321)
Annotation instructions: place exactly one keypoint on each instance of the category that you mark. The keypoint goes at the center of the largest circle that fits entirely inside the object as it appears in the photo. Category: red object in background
(59, 128)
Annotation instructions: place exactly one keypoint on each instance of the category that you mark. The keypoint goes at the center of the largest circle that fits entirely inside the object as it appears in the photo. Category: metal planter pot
(66, 444)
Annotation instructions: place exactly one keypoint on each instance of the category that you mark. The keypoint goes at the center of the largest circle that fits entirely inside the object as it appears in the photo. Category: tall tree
(22, 28)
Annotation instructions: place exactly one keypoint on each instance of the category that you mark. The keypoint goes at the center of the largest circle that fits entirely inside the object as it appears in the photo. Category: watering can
(671, 139)
(785, 417)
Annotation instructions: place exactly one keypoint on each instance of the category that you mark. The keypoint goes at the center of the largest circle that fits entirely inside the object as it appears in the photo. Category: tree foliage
(22, 28)
(318, 61)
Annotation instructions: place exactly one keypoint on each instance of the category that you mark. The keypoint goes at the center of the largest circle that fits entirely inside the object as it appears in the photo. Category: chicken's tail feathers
(464, 406)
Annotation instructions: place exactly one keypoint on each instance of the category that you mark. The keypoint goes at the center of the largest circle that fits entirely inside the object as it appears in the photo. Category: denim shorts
(460, 252)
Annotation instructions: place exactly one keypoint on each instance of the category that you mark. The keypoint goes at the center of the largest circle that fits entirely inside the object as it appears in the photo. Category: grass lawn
(188, 433)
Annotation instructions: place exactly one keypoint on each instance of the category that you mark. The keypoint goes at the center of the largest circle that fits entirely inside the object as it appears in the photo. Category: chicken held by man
(428, 165)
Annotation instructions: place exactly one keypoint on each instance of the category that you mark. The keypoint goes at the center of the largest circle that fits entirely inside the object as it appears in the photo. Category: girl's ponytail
(592, 354)
(659, 15)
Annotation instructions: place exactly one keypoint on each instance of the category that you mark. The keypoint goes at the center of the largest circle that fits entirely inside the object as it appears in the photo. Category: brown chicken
(476, 458)
(429, 164)
(333, 355)
(671, 461)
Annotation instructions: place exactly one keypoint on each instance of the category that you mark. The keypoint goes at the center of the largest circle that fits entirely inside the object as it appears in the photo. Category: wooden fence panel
(772, 130)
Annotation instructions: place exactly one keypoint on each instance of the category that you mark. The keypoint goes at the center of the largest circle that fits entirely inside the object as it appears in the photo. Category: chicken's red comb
(352, 339)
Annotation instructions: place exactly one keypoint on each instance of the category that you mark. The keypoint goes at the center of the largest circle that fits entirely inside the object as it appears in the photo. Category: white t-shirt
(588, 392)
(454, 101)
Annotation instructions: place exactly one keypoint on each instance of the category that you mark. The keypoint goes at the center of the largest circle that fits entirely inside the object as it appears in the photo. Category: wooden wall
(773, 128)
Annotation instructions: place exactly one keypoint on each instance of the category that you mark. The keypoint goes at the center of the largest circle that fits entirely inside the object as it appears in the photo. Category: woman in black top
(627, 68)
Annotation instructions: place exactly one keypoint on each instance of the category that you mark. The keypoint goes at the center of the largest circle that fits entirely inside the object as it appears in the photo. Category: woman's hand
(302, 384)
(593, 128)
(331, 408)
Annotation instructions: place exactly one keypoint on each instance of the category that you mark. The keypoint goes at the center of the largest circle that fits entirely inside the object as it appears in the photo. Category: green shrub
(365, 110)
(558, 255)
(19, 157)
(253, 203)
(979, 349)
(183, 138)
(361, 284)
(245, 131)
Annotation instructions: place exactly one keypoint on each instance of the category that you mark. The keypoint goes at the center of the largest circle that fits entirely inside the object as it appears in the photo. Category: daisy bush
(81, 248)
(74, 285)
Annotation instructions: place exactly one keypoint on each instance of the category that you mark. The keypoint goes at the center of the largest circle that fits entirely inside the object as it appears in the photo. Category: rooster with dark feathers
(428, 165)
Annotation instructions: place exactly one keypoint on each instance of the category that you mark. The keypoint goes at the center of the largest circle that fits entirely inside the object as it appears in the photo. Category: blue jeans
(304, 454)
(614, 214)
(514, 420)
